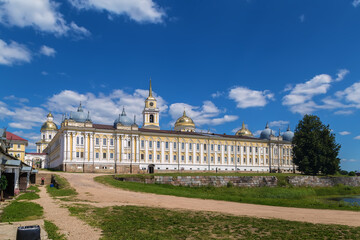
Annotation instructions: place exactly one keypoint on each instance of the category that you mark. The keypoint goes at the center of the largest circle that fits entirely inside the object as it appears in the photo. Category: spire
(123, 112)
(80, 109)
(88, 116)
(150, 89)
(267, 125)
(288, 129)
(184, 113)
(134, 119)
(243, 125)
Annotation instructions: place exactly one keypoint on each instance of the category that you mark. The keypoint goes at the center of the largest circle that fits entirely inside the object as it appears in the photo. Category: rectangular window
(77, 154)
(167, 157)
(225, 159)
(204, 147)
(225, 148)
(256, 160)
(96, 141)
(219, 147)
(212, 159)
(204, 158)
(174, 157)
(111, 155)
(129, 143)
(182, 146)
(82, 140)
(167, 145)
(158, 157)
(97, 155)
(238, 160)
(198, 147)
(142, 143)
(244, 148)
(142, 156)
(182, 158)
(129, 156)
(77, 140)
(232, 148)
(81, 154)
(212, 147)
(158, 144)
(218, 159)
(19, 146)
(190, 146)
(111, 142)
(190, 158)
(104, 141)
(250, 160)
(250, 148)
(256, 149)
(244, 160)
(238, 148)
(49, 136)
(197, 158)
(150, 156)
(174, 145)
(150, 144)
(104, 155)
(267, 150)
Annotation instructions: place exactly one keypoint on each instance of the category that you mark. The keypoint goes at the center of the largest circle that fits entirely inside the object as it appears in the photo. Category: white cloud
(42, 15)
(344, 112)
(217, 94)
(300, 98)
(343, 133)
(47, 51)
(104, 108)
(349, 160)
(13, 53)
(357, 137)
(207, 114)
(17, 99)
(351, 94)
(341, 74)
(44, 73)
(246, 98)
(356, 3)
(280, 123)
(137, 10)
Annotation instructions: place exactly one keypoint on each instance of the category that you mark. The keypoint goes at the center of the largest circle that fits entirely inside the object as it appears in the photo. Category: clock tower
(151, 112)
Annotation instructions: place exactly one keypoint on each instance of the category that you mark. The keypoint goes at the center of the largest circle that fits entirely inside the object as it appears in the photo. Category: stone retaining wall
(217, 181)
(313, 181)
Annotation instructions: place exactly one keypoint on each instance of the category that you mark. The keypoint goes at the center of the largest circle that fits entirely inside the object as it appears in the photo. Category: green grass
(302, 197)
(28, 196)
(53, 231)
(64, 188)
(21, 211)
(130, 222)
(33, 188)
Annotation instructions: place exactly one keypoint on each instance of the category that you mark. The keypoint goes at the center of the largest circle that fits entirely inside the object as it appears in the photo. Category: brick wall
(313, 181)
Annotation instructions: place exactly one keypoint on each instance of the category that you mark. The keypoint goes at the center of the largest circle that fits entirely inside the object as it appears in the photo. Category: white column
(86, 146)
(74, 146)
(146, 151)
(68, 146)
(91, 147)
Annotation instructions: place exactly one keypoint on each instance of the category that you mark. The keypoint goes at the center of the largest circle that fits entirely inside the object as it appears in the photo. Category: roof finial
(150, 89)
(184, 113)
(134, 119)
(288, 129)
(243, 125)
(123, 112)
(80, 108)
(267, 125)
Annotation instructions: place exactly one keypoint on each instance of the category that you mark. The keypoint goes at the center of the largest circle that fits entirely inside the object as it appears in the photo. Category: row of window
(12, 145)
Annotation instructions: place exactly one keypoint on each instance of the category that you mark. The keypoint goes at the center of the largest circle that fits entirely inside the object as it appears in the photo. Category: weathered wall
(217, 181)
(313, 181)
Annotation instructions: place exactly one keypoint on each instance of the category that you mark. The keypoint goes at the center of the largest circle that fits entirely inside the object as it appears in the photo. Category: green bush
(352, 173)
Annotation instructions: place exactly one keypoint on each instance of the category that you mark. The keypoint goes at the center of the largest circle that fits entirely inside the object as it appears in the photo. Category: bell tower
(151, 112)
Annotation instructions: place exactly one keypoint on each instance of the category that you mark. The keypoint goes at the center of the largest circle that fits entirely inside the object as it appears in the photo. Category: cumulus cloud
(17, 99)
(207, 114)
(42, 15)
(104, 108)
(137, 10)
(217, 94)
(351, 94)
(356, 3)
(13, 52)
(357, 137)
(300, 97)
(245, 97)
(280, 123)
(343, 133)
(344, 112)
(47, 51)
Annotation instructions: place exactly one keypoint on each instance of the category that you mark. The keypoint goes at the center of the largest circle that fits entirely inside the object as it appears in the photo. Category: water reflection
(355, 201)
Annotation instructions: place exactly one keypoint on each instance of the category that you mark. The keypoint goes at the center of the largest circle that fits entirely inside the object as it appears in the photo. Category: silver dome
(123, 119)
(288, 135)
(267, 132)
(80, 115)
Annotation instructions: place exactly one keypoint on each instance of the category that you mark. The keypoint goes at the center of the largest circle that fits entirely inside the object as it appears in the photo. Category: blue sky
(225, 62)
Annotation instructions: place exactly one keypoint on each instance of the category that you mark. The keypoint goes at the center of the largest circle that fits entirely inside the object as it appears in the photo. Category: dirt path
(103, 195)
(71, 226)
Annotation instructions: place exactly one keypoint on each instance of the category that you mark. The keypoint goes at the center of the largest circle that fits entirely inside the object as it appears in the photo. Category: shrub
(352, 173)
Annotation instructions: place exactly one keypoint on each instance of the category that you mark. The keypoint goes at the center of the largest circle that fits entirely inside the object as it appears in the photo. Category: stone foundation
(314, 181)
(100, 168)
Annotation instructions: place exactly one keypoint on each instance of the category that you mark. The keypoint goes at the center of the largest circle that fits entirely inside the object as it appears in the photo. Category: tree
(315, 149)
(3, 186)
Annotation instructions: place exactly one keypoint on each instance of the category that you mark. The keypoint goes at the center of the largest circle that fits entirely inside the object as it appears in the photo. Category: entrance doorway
(151, 168)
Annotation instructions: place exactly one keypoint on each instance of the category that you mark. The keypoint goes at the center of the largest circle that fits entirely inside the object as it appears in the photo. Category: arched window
(151, 118)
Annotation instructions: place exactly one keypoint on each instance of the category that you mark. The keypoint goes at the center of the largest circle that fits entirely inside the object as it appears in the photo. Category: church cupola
(151, 112)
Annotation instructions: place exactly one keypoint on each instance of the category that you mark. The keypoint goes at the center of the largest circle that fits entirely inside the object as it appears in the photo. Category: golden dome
(244, 131)
(184, 121)
(49, 126)
(50, 115)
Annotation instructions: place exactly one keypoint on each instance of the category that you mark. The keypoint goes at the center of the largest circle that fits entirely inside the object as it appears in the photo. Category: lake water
(351, 200)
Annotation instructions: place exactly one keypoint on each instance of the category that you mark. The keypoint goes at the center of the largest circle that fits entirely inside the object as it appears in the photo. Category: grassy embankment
(64, 190)
(132, 222)
(53, 231)
(302, 197)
